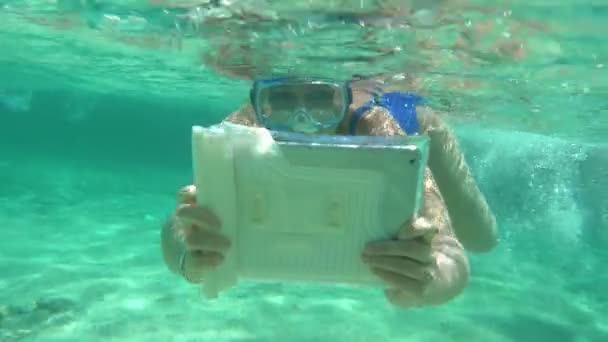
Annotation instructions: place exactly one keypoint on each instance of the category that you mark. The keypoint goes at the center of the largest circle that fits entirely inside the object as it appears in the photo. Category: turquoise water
(94, 142)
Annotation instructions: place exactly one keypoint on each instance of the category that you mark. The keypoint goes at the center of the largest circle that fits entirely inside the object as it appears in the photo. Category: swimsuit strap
(402, 107)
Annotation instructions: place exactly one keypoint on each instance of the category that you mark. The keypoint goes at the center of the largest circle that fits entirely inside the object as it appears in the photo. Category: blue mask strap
(402, 106)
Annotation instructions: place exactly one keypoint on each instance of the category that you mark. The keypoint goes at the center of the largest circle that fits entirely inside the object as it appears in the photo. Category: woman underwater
(426, 264)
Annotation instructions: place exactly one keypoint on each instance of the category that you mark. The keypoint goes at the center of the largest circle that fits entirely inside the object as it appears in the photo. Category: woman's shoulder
(245, 116)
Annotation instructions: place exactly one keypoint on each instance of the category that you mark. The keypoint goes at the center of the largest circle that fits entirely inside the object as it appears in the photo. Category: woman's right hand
(200, 229)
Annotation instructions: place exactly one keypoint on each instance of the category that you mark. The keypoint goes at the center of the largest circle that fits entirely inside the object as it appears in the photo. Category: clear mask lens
(303, 107)
(303, 121)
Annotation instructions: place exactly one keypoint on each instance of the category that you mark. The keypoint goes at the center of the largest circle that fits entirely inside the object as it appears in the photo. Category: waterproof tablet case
(300, 207)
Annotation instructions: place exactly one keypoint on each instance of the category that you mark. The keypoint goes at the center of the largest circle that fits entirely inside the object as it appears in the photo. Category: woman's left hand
(423, 266)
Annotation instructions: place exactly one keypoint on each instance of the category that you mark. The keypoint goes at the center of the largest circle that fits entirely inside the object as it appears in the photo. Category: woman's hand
(199, 228)
(423, 266)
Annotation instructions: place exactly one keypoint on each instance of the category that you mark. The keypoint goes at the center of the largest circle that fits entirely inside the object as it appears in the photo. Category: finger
(196, 263)
(207, 242)
(402, 266)
(447, 245)
(402, 298)
(400, 282)
(414, 249)
(201, 217)
(418, 227)
(197, 260)
(187, 195)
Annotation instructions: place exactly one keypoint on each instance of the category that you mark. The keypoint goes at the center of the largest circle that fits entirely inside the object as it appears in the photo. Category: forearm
(451, 269)
(172, 247)
(471, 217)
(452, 261)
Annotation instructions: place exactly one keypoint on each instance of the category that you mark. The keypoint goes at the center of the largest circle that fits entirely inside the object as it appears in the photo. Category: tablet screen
(302, 207)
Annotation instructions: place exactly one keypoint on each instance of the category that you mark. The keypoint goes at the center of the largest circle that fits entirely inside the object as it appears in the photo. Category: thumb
(418, 227)
(186, 195)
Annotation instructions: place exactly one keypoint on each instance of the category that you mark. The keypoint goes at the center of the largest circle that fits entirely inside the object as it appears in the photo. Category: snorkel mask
(304, 105)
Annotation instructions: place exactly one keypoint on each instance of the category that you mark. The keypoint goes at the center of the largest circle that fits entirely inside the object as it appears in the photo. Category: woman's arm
(472, 219)
(426, 265)
(172, 246)
(451, 273)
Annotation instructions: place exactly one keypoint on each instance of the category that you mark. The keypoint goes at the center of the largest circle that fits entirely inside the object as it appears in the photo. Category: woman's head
(304, 105)
(315, 107)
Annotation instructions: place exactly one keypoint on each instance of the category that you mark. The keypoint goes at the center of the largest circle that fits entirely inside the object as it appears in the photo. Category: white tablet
(300, 207)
